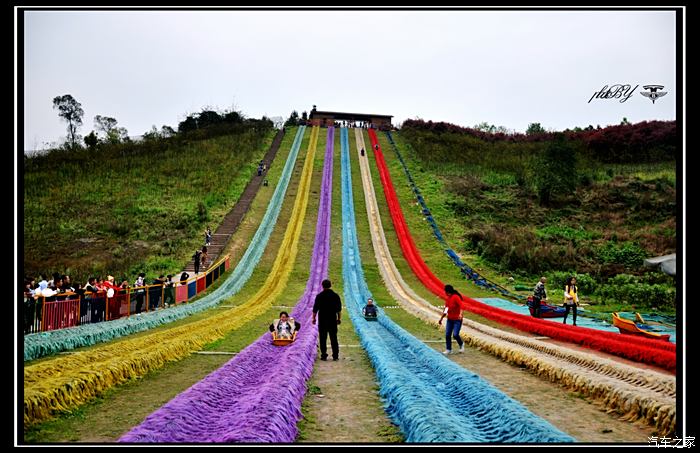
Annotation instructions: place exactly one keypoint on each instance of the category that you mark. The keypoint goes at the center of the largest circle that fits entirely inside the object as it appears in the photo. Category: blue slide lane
(428, 396)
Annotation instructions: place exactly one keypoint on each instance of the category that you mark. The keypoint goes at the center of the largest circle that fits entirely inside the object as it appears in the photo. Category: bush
(628, 254)
(639, 295)
(586, 284)
(552, 169)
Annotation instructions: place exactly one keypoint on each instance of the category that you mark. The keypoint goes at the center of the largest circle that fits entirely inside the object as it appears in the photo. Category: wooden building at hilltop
(323, 118)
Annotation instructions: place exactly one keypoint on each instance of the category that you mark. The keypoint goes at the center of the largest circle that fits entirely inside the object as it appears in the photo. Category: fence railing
(63, 310)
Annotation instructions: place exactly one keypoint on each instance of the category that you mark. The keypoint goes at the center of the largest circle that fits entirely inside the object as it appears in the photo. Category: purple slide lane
(257, 395)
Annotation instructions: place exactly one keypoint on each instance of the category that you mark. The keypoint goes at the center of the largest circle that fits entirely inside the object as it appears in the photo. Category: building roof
(347, 114)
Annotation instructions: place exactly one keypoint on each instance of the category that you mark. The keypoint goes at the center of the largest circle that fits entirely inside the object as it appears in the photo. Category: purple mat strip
(257, 395)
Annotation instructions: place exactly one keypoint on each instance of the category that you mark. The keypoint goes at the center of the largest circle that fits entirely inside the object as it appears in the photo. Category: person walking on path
(539, 296)
(453, 311)
(197, 259)
(205, 257)
(207, 236)
(328, 306)
(570, 297)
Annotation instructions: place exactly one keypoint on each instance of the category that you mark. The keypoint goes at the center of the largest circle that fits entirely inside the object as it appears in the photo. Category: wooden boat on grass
(631, 328)
(546, 310)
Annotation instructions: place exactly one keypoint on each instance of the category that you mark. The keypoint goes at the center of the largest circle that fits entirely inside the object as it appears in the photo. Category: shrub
(639, 295)
(586, 284)
(628, 254)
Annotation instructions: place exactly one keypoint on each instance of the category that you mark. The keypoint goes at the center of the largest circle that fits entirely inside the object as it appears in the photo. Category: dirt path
(350, 409)
(232, 220)
(342, 402)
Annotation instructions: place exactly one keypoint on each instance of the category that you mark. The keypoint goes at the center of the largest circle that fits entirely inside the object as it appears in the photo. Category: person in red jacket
(453, 311)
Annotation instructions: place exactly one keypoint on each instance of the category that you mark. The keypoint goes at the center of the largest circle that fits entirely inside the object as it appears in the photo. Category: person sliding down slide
(284, 328)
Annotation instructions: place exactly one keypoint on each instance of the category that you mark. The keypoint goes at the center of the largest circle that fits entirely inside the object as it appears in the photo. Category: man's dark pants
(323, 331)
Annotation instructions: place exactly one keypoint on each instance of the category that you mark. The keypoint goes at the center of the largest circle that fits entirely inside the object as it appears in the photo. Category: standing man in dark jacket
(327, 305)
(539, 296)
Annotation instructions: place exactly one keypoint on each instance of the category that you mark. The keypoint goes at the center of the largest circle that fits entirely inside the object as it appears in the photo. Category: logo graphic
(653, 94)
(617, 91)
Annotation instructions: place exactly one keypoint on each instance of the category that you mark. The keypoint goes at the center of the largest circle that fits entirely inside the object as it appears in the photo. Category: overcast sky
(508, 68)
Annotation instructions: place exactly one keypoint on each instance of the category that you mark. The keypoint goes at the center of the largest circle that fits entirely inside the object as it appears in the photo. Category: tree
(188, 124)
(293, 119)
(105, 124)
(233, 117)
(304, 116)
(108, 126)
(167, 131)
(534, 128)
(71, 111)
(277, 121)
(151, 135)
(555, 169)
(91, 140)
(485, 127)
(208, 118)
(118, 135)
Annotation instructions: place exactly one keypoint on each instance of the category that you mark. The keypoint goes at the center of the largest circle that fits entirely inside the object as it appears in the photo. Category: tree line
(205, 124)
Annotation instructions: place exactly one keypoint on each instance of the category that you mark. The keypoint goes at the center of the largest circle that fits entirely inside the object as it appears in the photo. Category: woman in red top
(453, 311)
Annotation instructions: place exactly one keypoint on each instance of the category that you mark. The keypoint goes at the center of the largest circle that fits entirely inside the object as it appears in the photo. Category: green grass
(103, 419)
(487, 217)
(436, 197)
(645, 172)
(150, 206)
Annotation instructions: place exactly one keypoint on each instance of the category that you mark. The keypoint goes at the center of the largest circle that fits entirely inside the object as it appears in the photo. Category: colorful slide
(431, 398)
(637, 349)
(64, 383)
(464, 268)
(257, 395)
(639, 393)
(47, 343)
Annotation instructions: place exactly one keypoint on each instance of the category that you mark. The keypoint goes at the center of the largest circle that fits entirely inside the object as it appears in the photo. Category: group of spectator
(99, 298)
(360, 124)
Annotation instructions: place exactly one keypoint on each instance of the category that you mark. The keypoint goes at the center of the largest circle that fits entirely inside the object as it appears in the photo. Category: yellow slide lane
(64, 383)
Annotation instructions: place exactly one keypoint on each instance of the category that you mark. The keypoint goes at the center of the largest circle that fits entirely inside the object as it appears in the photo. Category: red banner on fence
(60, 314)
(181, 294)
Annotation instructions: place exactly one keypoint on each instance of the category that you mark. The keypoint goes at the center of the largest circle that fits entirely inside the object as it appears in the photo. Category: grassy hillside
(132, 207)
(615, 215)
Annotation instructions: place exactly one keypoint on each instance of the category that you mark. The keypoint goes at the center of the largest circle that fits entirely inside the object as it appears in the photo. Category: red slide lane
(632, 347)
